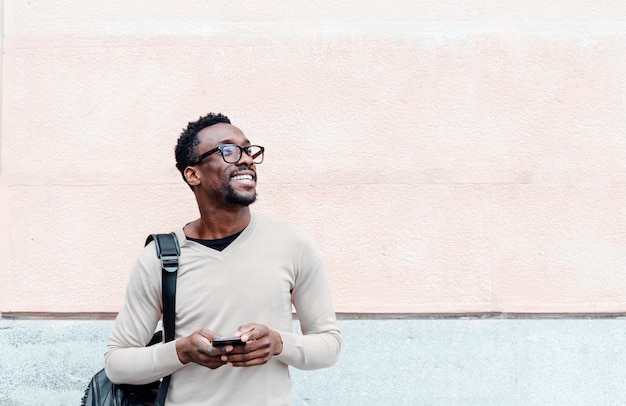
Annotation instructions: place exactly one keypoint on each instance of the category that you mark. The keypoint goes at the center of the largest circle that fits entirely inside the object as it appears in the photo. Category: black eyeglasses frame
(220, 148)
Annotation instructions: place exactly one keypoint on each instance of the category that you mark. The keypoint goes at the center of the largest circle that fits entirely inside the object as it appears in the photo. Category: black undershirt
(220, 244)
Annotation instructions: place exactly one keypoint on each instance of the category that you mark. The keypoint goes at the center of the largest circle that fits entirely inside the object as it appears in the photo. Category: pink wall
(460, 156)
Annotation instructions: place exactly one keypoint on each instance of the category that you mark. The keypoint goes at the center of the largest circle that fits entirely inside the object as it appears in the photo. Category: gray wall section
(385, 362)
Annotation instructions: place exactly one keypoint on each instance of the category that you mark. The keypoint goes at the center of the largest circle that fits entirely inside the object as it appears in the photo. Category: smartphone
(220, 342)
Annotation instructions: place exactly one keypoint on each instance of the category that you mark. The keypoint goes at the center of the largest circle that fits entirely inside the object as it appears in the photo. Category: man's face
(232, 183)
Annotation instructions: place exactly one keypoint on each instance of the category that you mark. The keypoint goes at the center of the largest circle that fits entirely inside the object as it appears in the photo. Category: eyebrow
(229, 141)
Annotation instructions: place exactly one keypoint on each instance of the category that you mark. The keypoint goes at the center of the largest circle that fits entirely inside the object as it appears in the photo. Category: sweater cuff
(291, 349)
(166, 357)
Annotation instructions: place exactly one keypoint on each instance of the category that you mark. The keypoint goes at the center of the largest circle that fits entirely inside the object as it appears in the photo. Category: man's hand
(261, 345)
(198, 348)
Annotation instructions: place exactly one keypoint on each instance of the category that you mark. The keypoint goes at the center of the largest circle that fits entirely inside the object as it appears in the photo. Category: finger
(208, 334)
(248, 360)
(205, 344)
(254, 332)
(218, 351)
(245, 330)
(252, 350)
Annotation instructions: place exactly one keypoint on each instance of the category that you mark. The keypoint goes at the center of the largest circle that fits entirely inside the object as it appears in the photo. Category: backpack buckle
(169, 263)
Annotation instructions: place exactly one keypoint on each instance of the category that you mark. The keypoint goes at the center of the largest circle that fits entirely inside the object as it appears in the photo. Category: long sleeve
(319, 345)
(127, 360)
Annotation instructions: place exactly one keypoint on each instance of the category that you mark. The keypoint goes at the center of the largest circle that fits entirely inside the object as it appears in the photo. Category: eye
(229, 149)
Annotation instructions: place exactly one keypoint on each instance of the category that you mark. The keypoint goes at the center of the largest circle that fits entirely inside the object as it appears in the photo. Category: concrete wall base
(385, 362)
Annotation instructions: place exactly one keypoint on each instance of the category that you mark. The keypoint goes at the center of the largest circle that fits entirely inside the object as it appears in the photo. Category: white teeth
(242, 177)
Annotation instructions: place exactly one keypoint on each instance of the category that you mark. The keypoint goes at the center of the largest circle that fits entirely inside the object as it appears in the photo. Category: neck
(218, 223)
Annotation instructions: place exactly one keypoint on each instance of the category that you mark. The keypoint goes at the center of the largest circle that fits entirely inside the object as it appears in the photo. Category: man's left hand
(261, 345)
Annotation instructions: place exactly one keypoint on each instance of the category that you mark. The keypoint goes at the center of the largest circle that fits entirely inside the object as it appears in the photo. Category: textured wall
(460, 156)
(446, 362)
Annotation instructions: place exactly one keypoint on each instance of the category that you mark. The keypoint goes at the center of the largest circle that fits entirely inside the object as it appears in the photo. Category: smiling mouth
(245, 177)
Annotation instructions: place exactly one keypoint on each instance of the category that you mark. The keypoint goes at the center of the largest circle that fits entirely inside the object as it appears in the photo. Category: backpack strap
(168, 251)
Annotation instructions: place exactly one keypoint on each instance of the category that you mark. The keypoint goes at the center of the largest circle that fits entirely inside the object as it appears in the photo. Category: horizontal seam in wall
(343, 316)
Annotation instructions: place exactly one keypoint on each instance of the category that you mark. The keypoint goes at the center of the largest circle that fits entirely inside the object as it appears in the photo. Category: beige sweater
(257, 278)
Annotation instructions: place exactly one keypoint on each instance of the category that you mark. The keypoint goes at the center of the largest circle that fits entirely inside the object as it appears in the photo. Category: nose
(245, 158)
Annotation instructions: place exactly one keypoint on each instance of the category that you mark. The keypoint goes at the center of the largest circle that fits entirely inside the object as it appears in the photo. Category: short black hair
(185, 150)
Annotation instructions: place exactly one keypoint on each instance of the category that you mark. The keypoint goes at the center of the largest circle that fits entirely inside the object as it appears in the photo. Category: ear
(191, 174)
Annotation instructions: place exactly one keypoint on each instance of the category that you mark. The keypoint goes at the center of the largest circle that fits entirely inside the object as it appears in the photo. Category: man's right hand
(197, 348)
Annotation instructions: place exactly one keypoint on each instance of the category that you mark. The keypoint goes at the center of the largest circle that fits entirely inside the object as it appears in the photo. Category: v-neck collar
(243, 236)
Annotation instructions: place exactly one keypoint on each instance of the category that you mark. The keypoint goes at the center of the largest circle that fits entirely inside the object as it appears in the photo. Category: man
(239, 275)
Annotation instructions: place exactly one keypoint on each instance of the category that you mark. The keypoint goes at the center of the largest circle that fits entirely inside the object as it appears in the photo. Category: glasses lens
(256, 152)
(231, 153)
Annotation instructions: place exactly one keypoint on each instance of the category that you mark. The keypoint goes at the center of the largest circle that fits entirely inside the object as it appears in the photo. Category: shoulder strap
(168, 251)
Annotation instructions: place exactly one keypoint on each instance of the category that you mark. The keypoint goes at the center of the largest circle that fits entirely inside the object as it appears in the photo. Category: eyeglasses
(232, 153)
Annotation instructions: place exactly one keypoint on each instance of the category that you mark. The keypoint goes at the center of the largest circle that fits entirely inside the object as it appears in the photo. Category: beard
(234, 197)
